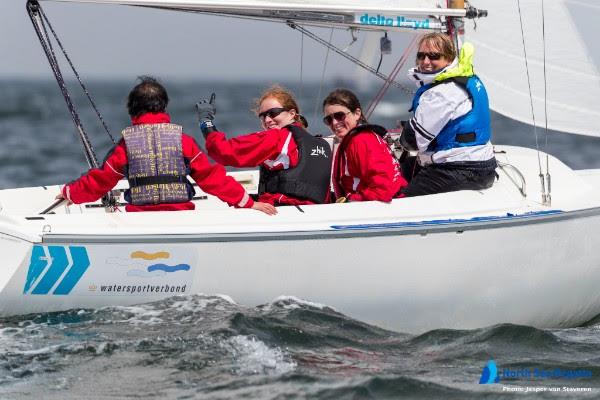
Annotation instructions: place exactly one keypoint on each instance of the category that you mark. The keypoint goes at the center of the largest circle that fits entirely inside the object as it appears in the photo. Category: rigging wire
(541, 175)
(353, 59)
(301, 64)
(33, 8)
(548, 184)
(83, 87)
(322, 77)
(39, 21)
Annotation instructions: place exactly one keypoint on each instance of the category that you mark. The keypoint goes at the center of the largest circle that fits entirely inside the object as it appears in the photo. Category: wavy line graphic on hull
(150, 256)
(168, 268)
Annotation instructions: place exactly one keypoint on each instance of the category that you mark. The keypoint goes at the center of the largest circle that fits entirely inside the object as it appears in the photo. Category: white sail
(572, 73)
(371, 14)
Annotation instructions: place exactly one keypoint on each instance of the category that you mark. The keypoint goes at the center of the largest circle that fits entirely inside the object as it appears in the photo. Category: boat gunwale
(337, 231)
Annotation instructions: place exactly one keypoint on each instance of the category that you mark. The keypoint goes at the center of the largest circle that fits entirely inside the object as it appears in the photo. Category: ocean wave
(215, 348)
(292, 302)
(252, 356)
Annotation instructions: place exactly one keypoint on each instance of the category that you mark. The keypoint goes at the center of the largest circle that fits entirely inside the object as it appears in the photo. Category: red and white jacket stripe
(210, 178)
(274, 149)
(368, 171)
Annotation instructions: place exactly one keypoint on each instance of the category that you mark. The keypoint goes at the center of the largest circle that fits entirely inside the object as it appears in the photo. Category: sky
(108, 41)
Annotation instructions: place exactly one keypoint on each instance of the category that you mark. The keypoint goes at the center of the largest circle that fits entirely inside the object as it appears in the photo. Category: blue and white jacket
(446, 127)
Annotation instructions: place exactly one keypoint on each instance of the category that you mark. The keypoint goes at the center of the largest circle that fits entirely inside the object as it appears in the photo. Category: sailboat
(523, 251)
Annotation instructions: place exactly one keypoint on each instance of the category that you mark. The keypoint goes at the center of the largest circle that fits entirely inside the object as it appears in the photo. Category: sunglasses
(271, 113)
(338, 116)
(432, 56)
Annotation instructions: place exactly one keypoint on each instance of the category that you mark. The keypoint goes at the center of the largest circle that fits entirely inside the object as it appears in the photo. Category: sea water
(210, 347)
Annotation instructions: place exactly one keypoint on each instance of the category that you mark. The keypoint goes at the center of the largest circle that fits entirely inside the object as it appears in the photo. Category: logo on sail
(55, 269)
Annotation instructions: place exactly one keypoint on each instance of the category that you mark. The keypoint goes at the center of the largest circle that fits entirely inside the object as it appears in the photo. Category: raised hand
(206, 111)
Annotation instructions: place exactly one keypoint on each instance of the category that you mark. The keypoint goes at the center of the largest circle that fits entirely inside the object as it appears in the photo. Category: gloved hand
(206, 114)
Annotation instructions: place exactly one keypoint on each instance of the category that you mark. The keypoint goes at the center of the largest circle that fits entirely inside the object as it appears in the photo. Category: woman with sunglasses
(364, 168)
(295, 167)
(450, 127)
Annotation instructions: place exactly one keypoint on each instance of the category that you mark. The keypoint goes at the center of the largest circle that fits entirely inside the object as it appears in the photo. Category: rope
(380, 61)
(34, 8)
(83, 87)
(37, 19)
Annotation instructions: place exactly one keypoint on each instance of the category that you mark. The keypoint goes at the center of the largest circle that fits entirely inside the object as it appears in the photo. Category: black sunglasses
(432, 56)
(338, 116)
(271, 113)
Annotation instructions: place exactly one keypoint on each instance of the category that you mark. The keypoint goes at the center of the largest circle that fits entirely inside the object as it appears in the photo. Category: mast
(456, 25)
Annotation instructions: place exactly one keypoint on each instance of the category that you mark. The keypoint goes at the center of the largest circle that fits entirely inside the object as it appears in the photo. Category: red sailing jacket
(274, 149)
(211, 178)
(366, 170)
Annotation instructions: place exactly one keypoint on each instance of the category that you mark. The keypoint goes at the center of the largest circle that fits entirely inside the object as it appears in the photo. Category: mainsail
(366, 14)
(568, 31)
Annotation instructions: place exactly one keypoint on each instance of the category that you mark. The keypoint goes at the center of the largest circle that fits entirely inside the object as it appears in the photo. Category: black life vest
(307, 180)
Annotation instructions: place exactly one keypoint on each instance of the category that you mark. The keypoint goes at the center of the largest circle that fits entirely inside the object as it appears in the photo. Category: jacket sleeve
(212, 178)
(98, 181)
(370, 161)
(245, 151)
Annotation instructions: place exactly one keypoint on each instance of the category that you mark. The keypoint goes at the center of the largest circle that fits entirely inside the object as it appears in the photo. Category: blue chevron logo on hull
(55, 269)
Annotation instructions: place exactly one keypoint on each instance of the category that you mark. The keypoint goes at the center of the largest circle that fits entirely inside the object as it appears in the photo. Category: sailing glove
(206, 114)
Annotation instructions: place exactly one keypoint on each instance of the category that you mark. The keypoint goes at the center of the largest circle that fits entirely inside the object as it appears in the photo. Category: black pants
(448, 177)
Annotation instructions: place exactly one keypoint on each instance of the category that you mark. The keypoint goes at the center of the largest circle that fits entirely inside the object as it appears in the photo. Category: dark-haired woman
(364, 168)
(156, 157)
(295, 166)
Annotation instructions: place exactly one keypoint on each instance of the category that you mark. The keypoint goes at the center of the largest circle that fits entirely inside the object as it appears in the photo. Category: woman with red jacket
(295, 166)
(156, 157)
(364, 167)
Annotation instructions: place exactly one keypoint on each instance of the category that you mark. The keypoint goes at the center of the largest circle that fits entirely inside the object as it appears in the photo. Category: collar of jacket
(423, 78)
(151, 118)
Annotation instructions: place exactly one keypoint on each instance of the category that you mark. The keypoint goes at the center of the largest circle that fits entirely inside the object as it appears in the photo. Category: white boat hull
(458, 260)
